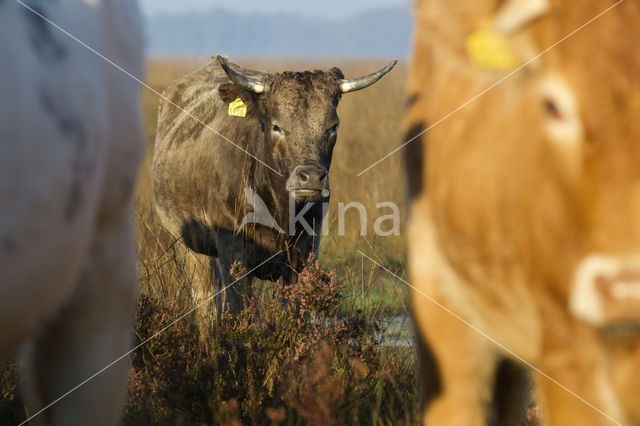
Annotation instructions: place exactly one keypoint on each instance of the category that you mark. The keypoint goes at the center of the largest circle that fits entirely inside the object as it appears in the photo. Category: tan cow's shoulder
(502, 307)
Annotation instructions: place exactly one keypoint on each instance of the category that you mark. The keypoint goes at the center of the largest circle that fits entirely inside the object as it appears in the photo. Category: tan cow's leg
(465, 360)
(511, 393)
(576, 361)
(466, 364)
(562, 408)
(92, 330)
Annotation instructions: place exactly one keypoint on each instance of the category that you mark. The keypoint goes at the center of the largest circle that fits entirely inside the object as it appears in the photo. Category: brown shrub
(293, 358)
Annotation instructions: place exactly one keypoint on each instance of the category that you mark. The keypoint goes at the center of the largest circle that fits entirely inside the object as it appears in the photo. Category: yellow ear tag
(489, 50)
(237, 108)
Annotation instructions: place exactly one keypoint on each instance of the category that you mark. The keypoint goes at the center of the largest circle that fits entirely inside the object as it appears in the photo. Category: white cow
(70, 144)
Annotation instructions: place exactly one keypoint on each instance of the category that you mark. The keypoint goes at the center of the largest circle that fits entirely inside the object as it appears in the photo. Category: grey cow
(280, 131)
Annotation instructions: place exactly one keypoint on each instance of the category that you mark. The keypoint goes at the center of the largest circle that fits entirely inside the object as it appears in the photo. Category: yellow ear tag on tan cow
(238, 108)
(492, 51)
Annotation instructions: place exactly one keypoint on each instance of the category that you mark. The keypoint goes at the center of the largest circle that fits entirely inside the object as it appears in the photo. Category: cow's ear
(336, 73)
(229, 92)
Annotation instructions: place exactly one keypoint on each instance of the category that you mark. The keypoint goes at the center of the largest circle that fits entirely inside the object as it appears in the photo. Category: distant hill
(377, 33)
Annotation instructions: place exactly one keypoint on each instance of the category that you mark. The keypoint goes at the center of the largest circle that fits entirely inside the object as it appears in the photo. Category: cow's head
(583, 102)
(298, 114)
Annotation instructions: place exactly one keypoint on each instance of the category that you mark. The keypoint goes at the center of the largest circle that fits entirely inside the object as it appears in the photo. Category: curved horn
(249, 83)
(354, 84)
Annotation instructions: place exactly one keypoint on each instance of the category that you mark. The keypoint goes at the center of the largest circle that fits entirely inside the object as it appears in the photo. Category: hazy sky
(325, 8)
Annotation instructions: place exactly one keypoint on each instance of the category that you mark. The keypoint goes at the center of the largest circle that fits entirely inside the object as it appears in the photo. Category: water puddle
(397, 331)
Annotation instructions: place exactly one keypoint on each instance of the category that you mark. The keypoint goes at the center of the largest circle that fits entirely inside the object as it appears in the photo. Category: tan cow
(525, 214)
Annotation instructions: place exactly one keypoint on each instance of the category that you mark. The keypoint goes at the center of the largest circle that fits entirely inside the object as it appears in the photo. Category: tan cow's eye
(333, 131)
(552, 109)
(276, 129)
(561, 121)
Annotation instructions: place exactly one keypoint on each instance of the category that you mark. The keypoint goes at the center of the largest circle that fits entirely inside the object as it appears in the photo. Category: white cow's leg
(91, 331)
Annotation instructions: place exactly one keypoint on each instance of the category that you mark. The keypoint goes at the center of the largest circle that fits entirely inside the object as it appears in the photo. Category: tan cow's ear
(515, 14)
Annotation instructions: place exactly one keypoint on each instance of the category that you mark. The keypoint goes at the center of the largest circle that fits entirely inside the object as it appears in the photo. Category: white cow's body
(70, 143)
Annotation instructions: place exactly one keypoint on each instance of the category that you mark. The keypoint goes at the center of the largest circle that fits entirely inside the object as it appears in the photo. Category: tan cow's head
(585, 104)
(557, 145)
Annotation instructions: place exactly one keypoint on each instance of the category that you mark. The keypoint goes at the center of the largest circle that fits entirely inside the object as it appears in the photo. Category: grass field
(344, 357)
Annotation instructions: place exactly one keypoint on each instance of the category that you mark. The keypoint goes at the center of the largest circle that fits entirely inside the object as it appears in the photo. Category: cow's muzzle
(606, 292)
(308, 182)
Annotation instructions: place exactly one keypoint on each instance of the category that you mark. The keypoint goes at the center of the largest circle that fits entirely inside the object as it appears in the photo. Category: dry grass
(292, 357)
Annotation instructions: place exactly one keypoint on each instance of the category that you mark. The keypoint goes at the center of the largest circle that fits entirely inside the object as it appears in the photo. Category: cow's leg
(238, 289)
(199, 275)
(580, 380)
(511, 393)
(219, 285)
(90, 332)
(464, 361)
(465, 364)
(563, 408)
(431, 385)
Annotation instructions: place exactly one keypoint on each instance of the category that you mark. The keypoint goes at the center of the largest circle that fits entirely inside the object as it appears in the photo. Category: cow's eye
(334, 130)
(562, 121)
(552, 109)
(276, 130)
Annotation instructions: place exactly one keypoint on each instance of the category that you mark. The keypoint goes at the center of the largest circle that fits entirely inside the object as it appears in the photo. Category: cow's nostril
(310, 176)
(303, 176)
(606, 291)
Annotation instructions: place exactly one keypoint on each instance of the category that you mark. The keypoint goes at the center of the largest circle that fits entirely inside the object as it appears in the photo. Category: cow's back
(201, 166)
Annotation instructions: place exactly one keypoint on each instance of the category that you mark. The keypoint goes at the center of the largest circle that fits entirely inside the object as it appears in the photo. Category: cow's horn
(249, 83)
(354, 84)
(515, 14)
